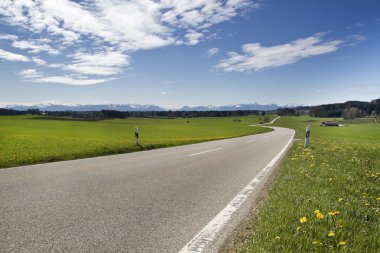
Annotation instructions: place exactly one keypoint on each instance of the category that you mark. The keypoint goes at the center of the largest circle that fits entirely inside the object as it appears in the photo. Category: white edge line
(251, 140)
(205, 151)
(211, 230)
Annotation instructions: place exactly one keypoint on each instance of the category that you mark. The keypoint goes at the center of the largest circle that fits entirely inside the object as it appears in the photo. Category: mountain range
(138, 107)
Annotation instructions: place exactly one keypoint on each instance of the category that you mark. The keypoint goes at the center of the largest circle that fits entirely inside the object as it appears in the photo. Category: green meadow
(30, 139)
(325, 198)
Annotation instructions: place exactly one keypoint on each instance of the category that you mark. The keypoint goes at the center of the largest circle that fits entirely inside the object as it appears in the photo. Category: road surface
(151, 201)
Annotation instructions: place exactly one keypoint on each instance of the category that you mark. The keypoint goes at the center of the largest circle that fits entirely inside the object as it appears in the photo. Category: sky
(200, 52)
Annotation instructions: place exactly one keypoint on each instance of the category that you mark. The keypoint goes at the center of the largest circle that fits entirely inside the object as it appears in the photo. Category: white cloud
(34, 48)
(212, 51)
(255, 57)
(105, 63)
(39, 61)
(8, 37)
(355, 39)
(33, 75)
(93, 27)
(356, 25)
(30, 73)
(12, 56)
(135, 24)
(193, 37)
(201, 13)
(70, 81)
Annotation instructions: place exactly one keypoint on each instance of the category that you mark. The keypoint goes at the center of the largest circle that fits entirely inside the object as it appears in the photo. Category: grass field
(325, 198)
(29, 140)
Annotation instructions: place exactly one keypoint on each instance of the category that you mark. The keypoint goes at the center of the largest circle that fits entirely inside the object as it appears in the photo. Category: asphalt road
(151, 201)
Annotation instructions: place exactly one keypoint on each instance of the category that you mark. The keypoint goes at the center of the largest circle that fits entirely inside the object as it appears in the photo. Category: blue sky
(176, 53)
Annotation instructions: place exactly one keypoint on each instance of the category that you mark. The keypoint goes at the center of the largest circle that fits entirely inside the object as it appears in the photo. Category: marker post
(307, 136)
(137, 135)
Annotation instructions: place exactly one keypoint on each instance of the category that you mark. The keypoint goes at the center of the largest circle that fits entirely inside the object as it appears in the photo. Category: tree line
(348, 110)
(106, 114)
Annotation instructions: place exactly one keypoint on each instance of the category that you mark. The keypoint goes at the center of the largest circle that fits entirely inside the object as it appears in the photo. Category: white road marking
(208, 234)
(205, 151)
(251, 140)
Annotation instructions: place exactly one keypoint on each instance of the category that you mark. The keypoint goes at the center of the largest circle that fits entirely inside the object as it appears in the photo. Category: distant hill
(137, 107)
(349, 109)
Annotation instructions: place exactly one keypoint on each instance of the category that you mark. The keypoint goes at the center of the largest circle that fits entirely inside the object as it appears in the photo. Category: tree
(351, 113)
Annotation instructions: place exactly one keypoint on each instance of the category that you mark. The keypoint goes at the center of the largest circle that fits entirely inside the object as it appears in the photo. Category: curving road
(151, 201)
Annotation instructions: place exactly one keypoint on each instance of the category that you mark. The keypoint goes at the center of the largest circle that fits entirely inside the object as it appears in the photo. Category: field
(325, 198)
(30, 140)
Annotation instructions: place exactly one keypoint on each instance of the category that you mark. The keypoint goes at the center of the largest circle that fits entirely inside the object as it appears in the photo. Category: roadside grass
(325, 198)
(29, 140)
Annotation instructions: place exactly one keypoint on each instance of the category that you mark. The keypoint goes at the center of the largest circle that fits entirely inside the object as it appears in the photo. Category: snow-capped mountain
(138, 107)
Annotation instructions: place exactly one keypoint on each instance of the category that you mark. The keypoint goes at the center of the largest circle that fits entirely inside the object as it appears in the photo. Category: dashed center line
(205, 151)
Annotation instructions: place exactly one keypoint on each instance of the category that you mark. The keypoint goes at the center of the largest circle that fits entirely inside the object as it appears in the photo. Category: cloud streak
(212, 51)
(255, 57)
(9, 56)
(33, 75)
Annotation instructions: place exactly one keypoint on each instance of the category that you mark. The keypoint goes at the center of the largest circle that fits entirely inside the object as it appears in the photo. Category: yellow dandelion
(342, 243)
(331, 234)
(303, 219)
(316, 211)
(334, 213)
(340, 199)
(320, 216)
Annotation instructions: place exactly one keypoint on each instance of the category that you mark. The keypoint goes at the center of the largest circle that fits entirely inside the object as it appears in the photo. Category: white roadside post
(137, 135)
(307, 136)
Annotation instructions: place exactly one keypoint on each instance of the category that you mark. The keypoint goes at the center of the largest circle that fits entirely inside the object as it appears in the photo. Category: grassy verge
(29, 140)
(325, 198)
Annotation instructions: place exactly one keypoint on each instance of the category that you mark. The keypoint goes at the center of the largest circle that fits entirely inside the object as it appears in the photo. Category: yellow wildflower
(340, 199)
(334, 213)
(342, 243)
(320, 216)
(316, 211)
(378, 198)
(303, 219)
(331, 234)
